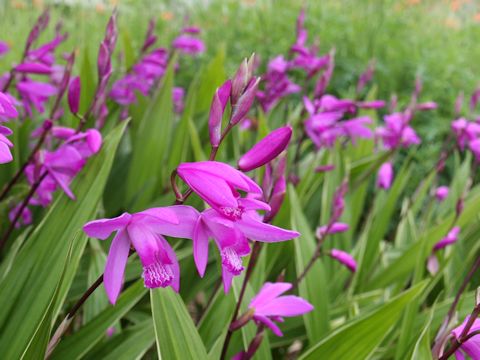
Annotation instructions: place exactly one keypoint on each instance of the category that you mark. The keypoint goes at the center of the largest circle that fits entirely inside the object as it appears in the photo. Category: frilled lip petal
(115, 266)
(101, 229)
(260, 231)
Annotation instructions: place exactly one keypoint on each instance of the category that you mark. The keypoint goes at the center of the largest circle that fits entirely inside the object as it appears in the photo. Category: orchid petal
(115, 266)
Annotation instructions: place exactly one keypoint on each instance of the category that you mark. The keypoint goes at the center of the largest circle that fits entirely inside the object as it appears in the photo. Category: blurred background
(434, 39)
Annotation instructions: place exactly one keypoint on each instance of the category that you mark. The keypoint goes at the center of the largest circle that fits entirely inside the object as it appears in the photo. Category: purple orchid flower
(231, 232)
(25, 217)
(471, 347)
(5, 145)
(144, 231)
(396, 132)
(189, 44)
(7, 109)
(269, 306)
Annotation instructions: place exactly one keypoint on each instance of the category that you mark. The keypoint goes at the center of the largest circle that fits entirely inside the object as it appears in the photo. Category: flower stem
(19, 212)
(464, 336)
(251, 265)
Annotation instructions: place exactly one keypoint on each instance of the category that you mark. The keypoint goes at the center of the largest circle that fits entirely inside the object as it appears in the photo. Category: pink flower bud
(325, 168)
(103, 63)
(385, 176)
(217, 109)
(242, 107)
(240, 81)
(33, 68)
(451, 238)
(430, 105)
(334, 228)
(266, 149)
(74, 95)
(344, 258)
(441, 193)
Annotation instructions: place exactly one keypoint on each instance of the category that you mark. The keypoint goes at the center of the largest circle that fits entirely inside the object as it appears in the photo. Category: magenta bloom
(217, 108)
(6, 107)
(217, 183)
(266, 149)
(397, 132)
(450, 239)
(336, 227)
(33, 68)
(25, 217)
(231, 231)
(344, 258)
(144, 231)
(270, 307)
(189, 45)
(385, 176)
(471, 347)
(441, 193)
(5, 145)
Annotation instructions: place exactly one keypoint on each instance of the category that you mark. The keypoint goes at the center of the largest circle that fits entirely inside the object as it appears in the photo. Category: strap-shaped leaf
(360, 337)
(176, 335)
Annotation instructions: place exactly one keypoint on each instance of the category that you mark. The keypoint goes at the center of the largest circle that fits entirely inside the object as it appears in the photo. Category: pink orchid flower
(269, 307)
(471, 347)
(5, 145)
(144, 231)
(231, 233)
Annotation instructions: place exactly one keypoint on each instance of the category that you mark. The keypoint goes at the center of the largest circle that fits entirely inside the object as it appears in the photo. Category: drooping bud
(334, 228)
(344, 258)
(150, 37)
(242, 320)
(266, 149)
(244, 103)
(74, 95)
(451, 238)
(217, 108)
(385, 176)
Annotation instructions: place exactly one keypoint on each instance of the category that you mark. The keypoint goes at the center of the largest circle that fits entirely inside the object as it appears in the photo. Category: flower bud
(240, 81)
(430, 105)
(103, 62)
(385, 176)
(441, 193)
(217, 108)
(366, 77)
(242, 107)
(74, 95)
(266, 149)
(344, 258)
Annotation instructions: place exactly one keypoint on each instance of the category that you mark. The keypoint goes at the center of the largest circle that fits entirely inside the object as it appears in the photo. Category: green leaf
(132, 343)
(314, 286)
(360, 337)
(78, 344)
(176, 335)
(150, 145)
(38, 266)
(212, 77)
